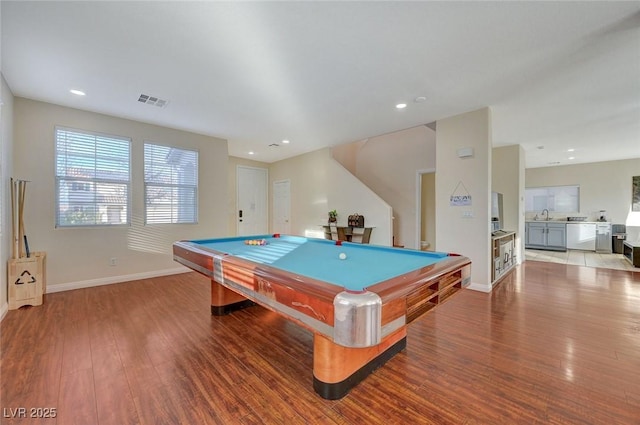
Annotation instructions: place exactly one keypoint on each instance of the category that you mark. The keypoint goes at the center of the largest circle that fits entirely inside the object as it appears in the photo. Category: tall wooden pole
(14, 236)
(20, 218)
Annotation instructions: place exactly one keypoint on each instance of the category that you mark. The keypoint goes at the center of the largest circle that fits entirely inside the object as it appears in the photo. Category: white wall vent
(152, 100)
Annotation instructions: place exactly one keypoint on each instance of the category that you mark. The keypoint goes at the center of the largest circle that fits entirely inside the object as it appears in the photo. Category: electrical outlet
(113, 261)
(467, 214)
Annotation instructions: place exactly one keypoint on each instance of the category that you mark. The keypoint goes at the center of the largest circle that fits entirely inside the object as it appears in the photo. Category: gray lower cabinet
(535, 234)
(546, 235)
(557, 236)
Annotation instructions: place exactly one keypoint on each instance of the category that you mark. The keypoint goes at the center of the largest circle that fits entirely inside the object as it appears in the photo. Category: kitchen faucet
(547, 216)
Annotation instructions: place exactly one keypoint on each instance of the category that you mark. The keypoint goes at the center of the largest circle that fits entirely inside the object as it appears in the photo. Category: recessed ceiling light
(401, 105)
(250, 152)
(571, 150)
(420, 99)
(285, 141)
(77, 92)
(572, 157)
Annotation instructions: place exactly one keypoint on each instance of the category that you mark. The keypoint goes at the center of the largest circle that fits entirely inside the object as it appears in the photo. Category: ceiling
(557, 76)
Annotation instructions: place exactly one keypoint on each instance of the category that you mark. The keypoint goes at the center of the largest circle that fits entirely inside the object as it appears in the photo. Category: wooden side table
(27, 280)
(632, 253)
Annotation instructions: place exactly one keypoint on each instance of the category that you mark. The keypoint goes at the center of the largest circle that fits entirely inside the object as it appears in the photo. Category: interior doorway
(426, 210)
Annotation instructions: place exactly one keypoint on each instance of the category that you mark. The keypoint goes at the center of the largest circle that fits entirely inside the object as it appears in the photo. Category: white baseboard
(114, 279)
(479, 287)
(3, 310)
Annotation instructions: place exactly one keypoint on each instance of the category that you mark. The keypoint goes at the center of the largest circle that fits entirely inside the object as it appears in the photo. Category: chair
(366, 235)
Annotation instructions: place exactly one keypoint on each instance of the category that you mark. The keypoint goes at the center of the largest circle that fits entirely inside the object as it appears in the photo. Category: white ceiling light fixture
(572, 157)
(77, 92)
(401, 105)
(286, 142)
(250, 152)
(420, 99)
(571, 150)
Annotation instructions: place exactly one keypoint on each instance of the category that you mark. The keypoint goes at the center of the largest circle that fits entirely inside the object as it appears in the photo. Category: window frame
(91, 181)
(146, 184)
(550, 193)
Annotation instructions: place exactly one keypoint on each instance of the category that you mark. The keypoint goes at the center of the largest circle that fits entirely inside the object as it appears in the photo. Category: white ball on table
(342, 256)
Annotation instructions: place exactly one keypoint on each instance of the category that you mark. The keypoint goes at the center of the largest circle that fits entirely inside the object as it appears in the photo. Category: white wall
(603, 186)
(507, 177)
(320, 184)
(78, 257)
(6, 171)
(388, 165)
(347, 155)
(466, 236)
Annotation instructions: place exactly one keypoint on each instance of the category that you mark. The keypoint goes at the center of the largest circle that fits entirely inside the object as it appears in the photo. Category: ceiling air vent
(152, 100)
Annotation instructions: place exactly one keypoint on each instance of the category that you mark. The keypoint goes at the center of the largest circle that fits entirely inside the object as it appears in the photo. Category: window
(93, 178)
(553, 198)
(170, 185)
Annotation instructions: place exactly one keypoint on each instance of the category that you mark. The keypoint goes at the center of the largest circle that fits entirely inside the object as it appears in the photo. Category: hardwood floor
(553, 344)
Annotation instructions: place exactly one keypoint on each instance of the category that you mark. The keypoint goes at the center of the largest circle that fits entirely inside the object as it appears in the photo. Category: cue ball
(342, 256)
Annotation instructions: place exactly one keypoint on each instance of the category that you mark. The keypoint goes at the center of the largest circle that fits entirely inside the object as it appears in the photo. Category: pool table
(356, 299)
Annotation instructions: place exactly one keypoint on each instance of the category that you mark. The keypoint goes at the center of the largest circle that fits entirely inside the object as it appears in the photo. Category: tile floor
(582, 258)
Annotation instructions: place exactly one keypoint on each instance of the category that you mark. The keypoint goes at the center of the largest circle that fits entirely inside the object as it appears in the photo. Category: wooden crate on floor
(27, 280)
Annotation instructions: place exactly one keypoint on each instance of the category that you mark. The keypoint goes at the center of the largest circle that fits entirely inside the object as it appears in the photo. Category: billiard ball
(342, 256)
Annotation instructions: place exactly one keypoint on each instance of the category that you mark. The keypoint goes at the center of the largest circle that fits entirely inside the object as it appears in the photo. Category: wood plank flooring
(553, 344)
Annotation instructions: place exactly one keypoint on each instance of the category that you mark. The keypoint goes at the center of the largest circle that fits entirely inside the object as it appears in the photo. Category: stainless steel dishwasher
(603, 237)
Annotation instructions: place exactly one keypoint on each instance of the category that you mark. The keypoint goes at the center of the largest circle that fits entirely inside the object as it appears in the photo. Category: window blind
(553, 198)
(93, 176)
(170, 184)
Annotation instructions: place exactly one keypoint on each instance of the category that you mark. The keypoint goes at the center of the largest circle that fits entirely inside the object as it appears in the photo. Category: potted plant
(333, 216)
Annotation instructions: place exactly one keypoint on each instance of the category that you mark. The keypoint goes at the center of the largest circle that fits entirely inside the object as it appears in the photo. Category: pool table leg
(225, 301)
(337, 369)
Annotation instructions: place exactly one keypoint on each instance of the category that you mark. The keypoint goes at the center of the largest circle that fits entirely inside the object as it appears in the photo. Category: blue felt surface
(364, 266)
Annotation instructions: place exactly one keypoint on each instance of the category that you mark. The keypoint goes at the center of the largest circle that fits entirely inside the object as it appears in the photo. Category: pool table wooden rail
(259, 283)
(237, 283)
(420, 290)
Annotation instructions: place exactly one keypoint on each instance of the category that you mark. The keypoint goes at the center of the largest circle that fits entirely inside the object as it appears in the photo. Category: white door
(251, 212)
(281, 206)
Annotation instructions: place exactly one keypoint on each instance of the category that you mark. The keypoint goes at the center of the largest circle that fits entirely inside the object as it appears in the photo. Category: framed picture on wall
(635, 193)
